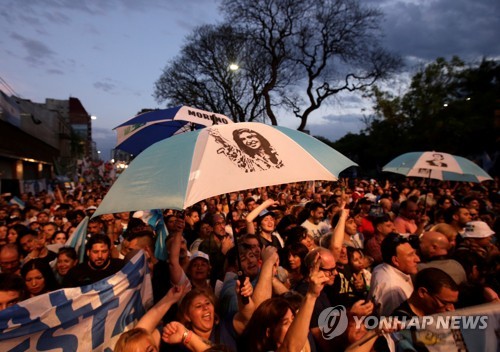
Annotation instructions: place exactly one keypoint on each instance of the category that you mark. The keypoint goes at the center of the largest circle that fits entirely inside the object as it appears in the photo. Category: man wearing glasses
(435, 292)
(391, 282)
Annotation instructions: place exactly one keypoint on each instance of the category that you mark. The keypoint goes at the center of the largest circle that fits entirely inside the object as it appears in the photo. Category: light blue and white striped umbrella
(437, 165)
(182, 170)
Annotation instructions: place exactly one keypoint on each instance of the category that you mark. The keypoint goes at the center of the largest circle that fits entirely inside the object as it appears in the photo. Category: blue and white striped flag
(78, 238)
(87, 318)
(18, 201)
(158, 224)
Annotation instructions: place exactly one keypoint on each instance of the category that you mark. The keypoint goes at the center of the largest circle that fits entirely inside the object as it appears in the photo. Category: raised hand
(173, 332)
(226, 245)
(362, 308)
(246, 290)
(317, 278)
(270, 253)
(177, 292)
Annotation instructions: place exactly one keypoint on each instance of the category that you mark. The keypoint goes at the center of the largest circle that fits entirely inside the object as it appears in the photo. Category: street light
(234, 67)
(93, 117)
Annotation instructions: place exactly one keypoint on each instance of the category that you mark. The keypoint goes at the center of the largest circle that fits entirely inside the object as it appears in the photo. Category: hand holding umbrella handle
(241, 278)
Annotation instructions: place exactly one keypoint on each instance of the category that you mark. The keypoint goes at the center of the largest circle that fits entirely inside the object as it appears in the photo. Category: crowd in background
(411, 247)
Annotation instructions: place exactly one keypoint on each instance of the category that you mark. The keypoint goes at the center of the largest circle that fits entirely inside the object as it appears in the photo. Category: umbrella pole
(241, 275)
(426, 192)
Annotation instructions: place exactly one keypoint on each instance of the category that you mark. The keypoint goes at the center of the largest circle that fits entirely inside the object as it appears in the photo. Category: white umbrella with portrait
(182, 170)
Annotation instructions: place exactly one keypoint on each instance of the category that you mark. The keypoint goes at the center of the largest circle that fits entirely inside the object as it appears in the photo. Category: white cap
(477, 229)
(199, 254)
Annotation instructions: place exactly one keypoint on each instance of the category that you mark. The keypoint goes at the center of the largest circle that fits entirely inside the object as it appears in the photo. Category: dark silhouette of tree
(450, 107)
(293, 56)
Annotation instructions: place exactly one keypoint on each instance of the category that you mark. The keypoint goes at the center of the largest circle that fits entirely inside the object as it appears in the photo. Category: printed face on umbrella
(250, 140)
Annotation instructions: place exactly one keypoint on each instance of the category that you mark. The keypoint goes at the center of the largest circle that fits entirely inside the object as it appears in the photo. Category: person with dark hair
(316, 227)
(252, 243)
(99, 264)
(203, 229)
(408, 220)
(293, 261)
(191, 217)
(12, 290)
(26, 241)
(383, 226)
(391, 281)
(351, 236)
(286, 223)
(60, 237)
(250, 204)
(66, 260)
(457, 217)
(76, 216)
(96, 226)
(39, 247)
(266, 225)
(144, 240)
(38, 277)
(298, 234)
(15, 231)
(435, 292)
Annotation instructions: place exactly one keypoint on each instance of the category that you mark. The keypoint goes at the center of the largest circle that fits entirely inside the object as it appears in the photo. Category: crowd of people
(254, 270)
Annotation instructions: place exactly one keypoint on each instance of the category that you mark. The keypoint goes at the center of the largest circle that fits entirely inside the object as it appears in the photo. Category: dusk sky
(109, 53)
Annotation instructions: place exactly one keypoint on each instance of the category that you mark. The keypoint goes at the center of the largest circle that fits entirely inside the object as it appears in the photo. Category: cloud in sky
(37, 52)
(429, 29)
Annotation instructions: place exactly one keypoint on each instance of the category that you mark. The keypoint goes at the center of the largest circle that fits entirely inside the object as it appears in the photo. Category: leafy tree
(293, 56)
(449, 107)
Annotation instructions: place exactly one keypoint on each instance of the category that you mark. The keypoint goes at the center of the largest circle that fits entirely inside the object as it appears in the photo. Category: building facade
(38, 141)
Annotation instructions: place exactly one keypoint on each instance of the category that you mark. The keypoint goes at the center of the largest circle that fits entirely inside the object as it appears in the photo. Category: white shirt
(389, 287)
(316, 230)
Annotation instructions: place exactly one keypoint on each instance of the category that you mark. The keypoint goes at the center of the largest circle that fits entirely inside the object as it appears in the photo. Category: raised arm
(245, 311)
(264, 287)
(296, 336)
(153, 316)
(338, 232)
(174, 266)
(174, 333)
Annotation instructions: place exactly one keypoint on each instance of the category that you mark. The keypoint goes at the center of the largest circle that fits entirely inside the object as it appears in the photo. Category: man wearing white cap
(477, 237)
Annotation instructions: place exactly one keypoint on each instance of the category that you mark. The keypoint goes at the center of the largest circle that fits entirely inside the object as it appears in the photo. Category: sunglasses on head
(400, 239)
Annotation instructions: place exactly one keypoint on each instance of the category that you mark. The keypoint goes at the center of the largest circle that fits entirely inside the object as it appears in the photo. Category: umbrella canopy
(437, 165)
(180, 171)
(147, 128)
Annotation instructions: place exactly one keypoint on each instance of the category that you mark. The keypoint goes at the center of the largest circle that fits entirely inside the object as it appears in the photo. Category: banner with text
(88, 318)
